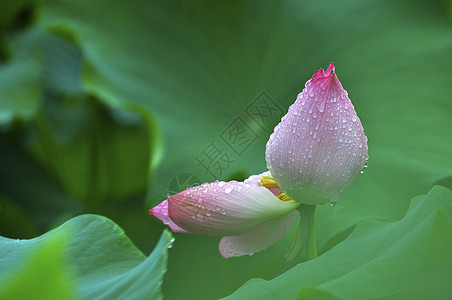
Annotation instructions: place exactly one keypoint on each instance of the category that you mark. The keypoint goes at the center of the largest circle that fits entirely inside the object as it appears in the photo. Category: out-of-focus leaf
(27, 185)
(404, 259)
(20, 80)
(8, 9)
(40, 63)
(197, 66)
(33, 202)
(103, 262)
(14, 221)
(42, 275)
(448, 4)
(100, 156)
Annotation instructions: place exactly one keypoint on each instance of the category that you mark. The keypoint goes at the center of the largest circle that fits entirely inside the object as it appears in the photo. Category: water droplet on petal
(364, 168)
(321, 106)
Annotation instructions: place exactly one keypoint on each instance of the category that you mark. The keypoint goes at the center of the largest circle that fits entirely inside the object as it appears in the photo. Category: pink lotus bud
(319, 146)
(249, 216)
(313, 155)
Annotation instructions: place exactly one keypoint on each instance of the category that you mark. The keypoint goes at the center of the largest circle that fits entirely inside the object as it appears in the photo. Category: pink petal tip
(161, 212)
(319, 74)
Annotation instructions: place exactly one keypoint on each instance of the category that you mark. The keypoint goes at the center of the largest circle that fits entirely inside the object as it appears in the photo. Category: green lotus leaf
(403, 259)
(88, 257)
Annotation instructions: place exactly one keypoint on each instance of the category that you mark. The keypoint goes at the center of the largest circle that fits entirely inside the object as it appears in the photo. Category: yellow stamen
(284, 197)
(269, 183)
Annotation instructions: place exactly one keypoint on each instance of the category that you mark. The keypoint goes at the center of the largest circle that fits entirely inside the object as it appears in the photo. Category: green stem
(304, 246)
(307, 214)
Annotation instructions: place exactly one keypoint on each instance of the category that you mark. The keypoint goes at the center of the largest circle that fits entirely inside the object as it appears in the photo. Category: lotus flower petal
(161, 212)
(226, 208)
(258, 238)
(254, 179)
(319, 146)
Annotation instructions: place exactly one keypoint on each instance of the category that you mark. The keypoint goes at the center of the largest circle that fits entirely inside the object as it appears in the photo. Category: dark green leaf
(95, 252)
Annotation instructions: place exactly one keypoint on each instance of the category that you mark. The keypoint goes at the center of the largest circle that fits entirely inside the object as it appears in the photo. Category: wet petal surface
(161, 212)
(226, 208)
(319, 146)
(258, 238)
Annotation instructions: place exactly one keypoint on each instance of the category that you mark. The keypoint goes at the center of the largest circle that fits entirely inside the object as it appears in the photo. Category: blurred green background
(108, 106)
